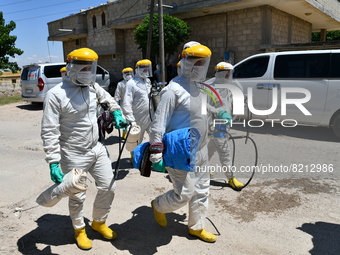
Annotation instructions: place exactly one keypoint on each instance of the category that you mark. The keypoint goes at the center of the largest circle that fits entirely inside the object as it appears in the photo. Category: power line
(16, 3)
(41, 7)
(127, 10)
(45, 15)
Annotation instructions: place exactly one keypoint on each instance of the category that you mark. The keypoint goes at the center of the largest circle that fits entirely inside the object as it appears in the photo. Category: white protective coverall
(180, 107)
(119, 93)
(137, 105)
(220, 144)
(70, 136)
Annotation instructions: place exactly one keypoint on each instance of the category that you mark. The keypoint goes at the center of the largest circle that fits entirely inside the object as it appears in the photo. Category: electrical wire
(45, 15)
(127, 10)
(15, 3)
(41, 7)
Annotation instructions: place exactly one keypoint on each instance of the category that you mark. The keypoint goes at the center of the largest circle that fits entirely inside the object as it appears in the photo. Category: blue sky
(31, 18)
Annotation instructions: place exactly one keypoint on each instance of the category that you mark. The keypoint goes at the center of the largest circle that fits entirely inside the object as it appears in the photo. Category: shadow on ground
(138, 235)
(32, 107)
(51, 230)
(142, 235)
(325, 237)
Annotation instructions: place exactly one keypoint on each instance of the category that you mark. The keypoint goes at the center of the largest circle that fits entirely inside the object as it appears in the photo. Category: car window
(302, 66)
(255, 67)
(24, 74)
(32, 74)
(99, 70)
(335, 66)
(53, 71)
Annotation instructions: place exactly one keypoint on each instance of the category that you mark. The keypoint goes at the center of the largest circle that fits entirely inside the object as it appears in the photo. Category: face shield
(127, 75)
(223, 73)
(223, 76)
(144, 71)
(195, 68)
(82, 73)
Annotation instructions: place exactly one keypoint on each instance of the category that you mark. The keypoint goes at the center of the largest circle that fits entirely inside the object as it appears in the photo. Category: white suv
(37, 79)
(285, 75)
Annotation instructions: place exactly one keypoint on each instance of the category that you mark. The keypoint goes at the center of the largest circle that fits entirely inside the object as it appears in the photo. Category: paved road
(273, 215)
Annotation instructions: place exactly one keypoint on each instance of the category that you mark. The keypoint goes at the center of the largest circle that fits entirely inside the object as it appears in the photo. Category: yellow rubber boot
(203, 234)
(233, 182)
(131, 158)
(159, 217)
(101, 227)
(124, 134)
(83, 241)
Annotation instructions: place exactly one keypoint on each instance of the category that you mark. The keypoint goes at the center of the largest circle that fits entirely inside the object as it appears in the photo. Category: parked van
(37, 79)
(317, 71)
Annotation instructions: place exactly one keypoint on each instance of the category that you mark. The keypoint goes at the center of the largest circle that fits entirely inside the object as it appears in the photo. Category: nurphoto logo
(239, 101)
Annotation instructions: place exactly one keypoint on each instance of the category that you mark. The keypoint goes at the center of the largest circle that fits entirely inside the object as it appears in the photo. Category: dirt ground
(291, 213)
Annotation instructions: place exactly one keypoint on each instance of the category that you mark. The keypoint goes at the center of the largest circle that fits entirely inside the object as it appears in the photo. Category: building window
(103, 19)
(94, 21)
(77, 42)
(14, 81)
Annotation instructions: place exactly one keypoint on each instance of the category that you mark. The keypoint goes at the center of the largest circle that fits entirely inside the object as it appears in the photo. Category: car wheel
(336, 125)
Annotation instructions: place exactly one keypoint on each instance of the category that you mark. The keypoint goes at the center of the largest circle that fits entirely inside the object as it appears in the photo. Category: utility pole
(161, 40)
(148, 46)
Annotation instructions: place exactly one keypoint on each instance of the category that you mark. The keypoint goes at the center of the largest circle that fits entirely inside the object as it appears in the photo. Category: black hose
(256, 157)
(121, 148)
(212, 223)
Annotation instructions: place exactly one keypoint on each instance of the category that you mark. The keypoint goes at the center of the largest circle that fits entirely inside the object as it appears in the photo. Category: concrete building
(9, 84)
(232, 29)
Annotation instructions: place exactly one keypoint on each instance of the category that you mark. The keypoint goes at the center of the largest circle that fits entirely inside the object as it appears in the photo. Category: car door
(302, 71)
(51, 75)
(252, 75)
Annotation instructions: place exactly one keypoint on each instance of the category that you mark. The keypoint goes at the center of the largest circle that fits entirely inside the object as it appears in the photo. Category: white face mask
(85, 77)
(143, 73)
(198, 73)
(127, 77)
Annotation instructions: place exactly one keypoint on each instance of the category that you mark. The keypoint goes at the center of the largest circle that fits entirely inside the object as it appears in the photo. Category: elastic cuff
(156, 148)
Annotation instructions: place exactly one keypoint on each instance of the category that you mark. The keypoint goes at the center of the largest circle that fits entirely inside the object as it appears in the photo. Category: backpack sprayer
(154, 94)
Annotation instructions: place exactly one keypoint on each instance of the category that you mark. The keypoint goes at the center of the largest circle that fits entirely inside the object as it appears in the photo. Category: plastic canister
(132, 140)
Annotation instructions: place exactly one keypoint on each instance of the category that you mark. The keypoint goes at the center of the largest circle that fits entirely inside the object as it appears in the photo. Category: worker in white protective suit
(70, 139)
(180, 107)
(218, 137)
(136, 105)
(120, 90)
(63, 72)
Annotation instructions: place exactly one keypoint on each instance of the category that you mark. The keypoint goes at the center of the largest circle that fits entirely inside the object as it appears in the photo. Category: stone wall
(289, 29)
(210, 31)
(301, 31)
(281, 27)
(100, 38)
(10, 84)
(244, 32)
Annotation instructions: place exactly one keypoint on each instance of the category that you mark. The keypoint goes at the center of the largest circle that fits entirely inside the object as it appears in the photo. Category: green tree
(176, 32)
(7, 45)
(330, 36)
